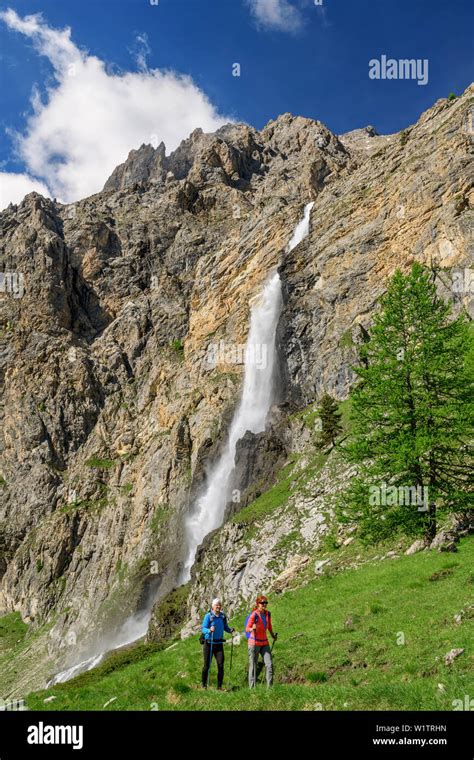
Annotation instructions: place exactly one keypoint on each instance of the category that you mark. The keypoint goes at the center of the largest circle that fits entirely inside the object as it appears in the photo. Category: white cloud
(14, 187)
(92, 118)
(279, 15)
(141, 50)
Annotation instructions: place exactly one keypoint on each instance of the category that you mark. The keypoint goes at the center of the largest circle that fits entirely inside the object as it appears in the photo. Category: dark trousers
(218, 653)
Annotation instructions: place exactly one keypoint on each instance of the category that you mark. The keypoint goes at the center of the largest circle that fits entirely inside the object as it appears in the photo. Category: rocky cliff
(110, 407)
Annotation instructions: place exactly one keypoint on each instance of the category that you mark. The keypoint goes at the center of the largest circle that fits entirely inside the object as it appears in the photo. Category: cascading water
(251, 414)
(302, 228)
(134, 628)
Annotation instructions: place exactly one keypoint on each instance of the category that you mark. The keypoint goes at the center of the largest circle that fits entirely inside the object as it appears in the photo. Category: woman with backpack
(212, 637)
(258, 623)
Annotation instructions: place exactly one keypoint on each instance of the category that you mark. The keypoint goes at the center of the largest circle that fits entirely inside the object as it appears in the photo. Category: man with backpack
(212, 638)
(257, 624)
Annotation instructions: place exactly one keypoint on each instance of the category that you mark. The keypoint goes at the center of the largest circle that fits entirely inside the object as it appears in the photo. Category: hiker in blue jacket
(213, 627)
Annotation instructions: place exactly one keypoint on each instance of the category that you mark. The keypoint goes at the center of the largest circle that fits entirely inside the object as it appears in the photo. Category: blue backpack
(267, 618)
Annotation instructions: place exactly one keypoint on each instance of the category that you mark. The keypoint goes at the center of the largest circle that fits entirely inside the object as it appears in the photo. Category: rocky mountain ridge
(110, 409)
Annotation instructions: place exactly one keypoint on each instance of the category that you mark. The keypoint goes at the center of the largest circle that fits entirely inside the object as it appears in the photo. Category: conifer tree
(330, 421)
(412, 414)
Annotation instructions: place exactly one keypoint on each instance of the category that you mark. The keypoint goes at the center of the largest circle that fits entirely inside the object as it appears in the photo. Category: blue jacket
(220, 625)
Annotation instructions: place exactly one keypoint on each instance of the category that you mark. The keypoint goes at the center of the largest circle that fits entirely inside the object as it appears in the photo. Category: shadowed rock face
(110, 410)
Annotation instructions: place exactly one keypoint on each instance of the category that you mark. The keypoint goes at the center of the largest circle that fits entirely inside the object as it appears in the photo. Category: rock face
(268, 550)
(410, 200)
(110, 410)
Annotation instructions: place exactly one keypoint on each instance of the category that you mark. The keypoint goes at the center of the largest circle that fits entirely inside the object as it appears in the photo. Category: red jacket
(259, 637)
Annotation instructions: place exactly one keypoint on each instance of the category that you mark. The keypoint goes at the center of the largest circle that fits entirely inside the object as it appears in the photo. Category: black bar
(132, 734)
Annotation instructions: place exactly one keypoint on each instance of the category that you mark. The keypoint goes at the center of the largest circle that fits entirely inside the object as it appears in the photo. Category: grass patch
(160, 516)
(346, 340)
(121, 568)
(345, 409)
(177, 348)
(12, 631)
(268, 501)
(91, 505)
(100, 464)
(391, 657)
(404, 137)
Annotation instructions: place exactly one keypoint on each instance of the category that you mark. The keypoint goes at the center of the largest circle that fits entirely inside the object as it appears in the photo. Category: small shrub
(181, 688)
(178, 347)
(375, 608)
(317, 677)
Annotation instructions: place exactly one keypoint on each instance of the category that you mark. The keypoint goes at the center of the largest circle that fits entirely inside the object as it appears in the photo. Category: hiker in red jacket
(258, 623)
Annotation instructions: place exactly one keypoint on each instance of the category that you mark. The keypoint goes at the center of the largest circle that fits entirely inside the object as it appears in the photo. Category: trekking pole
(210, 659)
(231, 657)
(273, 642)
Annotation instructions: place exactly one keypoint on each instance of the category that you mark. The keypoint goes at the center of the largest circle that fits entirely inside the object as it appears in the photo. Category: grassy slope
(12, 632)
(320, 662)
(24, 659)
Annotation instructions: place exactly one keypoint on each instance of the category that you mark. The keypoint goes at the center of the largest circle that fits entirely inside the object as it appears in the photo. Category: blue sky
(294, 56)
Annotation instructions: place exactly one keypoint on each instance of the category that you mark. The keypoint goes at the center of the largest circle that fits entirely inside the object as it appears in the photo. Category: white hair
(216, 601)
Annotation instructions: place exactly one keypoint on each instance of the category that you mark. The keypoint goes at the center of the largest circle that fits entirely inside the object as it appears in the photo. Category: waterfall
(134, 628)
(302, 228)
(251, 413)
